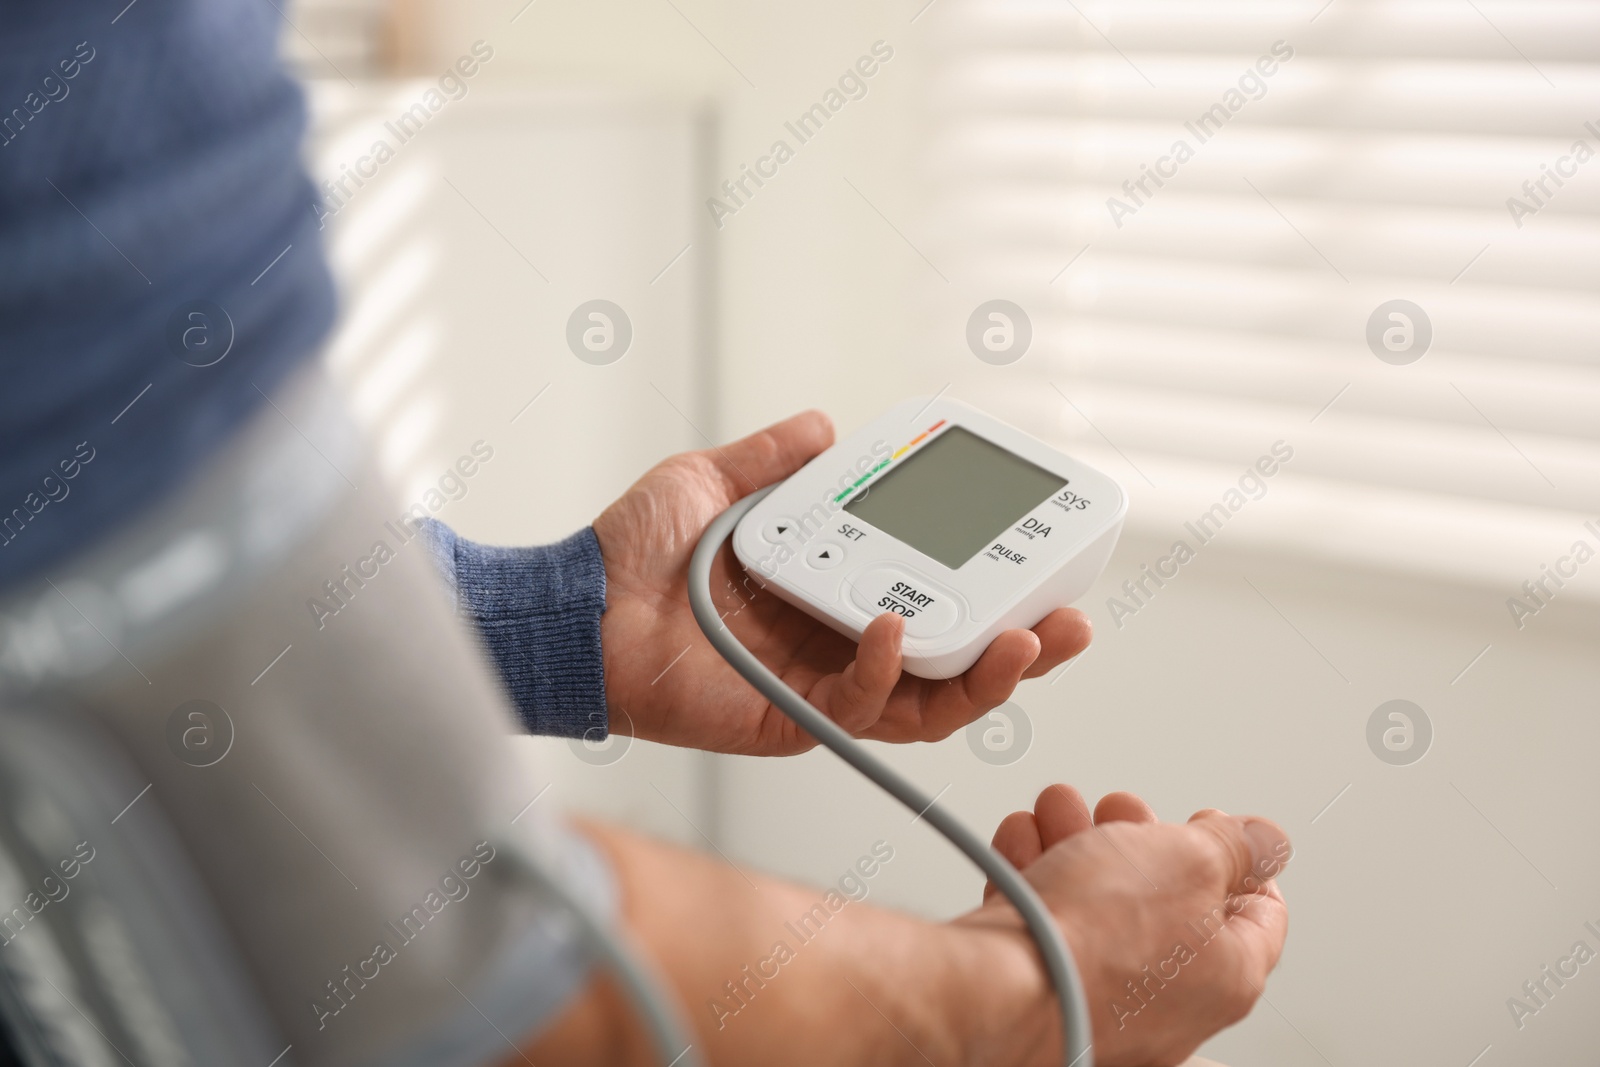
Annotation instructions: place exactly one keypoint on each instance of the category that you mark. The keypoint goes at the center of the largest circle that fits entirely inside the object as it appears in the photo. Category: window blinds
(1301, 164)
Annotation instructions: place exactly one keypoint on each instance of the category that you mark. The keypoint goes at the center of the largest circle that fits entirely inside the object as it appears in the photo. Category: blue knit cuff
(538, 612)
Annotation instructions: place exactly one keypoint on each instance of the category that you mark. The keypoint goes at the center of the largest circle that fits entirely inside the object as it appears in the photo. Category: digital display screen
(953, 496)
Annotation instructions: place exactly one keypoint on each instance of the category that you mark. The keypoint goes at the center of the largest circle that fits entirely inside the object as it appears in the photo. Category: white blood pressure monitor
(960, 524)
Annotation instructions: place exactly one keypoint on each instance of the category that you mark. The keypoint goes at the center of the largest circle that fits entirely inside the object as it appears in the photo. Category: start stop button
(928, 609)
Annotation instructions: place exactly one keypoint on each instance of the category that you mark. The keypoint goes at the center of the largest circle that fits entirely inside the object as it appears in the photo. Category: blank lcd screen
(954, 495)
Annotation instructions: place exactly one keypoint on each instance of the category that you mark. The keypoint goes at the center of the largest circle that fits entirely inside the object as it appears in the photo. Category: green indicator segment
(908, 446)
(857, 483)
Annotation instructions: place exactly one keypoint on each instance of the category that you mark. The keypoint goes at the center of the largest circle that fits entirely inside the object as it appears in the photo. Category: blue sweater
(538, 612)
(149, 174)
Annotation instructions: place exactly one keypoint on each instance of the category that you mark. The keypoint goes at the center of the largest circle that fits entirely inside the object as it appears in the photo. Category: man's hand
(664, 681)
(1175, 928)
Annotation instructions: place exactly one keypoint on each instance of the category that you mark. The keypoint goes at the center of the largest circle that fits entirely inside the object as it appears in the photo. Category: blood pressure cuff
(236, 829)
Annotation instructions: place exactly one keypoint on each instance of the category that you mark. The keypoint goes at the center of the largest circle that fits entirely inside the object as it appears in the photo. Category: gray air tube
(1052, 946)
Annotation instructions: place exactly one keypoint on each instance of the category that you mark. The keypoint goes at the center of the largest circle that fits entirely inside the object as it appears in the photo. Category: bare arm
(829, 998)
(877, 987)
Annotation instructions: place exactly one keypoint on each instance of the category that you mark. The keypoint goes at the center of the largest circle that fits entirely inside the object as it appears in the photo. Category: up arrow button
(778, 530)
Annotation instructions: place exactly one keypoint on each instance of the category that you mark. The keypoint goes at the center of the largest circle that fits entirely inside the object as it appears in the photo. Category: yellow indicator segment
(903, 449)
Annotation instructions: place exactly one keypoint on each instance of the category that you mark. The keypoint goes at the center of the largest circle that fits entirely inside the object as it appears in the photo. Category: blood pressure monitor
(960, 524)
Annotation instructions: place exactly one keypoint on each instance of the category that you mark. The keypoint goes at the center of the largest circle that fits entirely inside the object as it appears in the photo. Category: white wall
(1420, 900)
(461, 262)
(1412, 918)
(814, 286)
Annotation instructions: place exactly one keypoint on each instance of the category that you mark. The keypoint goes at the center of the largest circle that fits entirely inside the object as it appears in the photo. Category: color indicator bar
(902, 450)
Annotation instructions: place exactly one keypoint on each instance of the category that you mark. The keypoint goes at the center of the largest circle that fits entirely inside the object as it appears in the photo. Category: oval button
(778, 530)
(825, 555)
(927, 609)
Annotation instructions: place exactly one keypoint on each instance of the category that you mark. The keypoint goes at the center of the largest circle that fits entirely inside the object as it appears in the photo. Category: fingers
(1019, 654)
(1063, 634)
(772, 454)
(1269, 916)
(988, 682)
(936, 709)
(1123, 807)
(1060, 812)
(855, 699)
(1023, 836)
(1018, 840)
(1250, 851)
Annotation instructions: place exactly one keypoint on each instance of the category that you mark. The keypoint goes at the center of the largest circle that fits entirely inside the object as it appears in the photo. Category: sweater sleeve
(537, 611)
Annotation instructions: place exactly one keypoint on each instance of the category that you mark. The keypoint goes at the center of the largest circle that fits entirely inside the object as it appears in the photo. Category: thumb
(772, 454)
(1252, 850)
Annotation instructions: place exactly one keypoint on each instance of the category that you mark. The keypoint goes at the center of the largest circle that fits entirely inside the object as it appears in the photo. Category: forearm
(869, 987)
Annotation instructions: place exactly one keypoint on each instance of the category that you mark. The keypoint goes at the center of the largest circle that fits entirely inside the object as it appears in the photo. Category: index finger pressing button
(928, 609)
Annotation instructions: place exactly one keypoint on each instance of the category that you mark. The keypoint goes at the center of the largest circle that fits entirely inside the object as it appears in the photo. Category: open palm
(666, 683)
(1175, 926)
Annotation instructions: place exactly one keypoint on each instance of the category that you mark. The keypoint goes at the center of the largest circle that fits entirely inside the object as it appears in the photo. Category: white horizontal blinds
(1231, 304)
